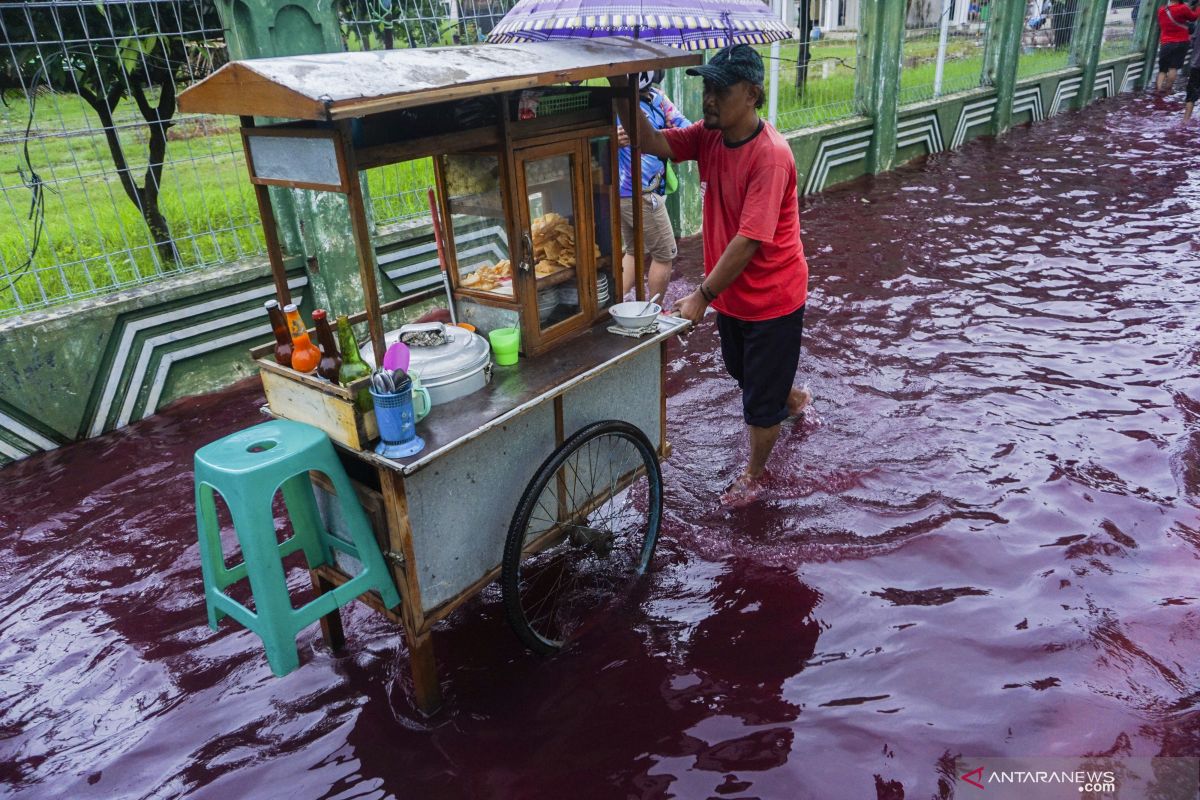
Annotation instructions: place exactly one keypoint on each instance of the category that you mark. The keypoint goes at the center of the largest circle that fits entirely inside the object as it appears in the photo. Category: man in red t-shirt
(755, 273)
(1173, 19)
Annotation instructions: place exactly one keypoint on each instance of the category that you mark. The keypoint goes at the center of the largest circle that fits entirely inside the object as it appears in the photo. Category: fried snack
(544, 268)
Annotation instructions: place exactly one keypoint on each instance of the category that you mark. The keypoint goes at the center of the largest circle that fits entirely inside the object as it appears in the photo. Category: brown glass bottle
(331, 361)
(279, 327)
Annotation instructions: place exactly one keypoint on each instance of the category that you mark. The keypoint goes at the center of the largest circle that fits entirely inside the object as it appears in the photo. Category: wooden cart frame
(331, 101)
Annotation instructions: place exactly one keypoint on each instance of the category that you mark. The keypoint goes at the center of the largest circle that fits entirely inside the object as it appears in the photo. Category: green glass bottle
(353, 366)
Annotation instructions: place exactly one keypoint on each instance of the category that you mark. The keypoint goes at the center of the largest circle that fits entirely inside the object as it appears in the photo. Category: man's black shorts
(1171, 56)
(762, 357)
(1193, 85)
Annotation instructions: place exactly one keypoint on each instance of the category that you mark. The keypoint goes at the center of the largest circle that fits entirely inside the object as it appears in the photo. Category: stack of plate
(568, 293)
(603, 296)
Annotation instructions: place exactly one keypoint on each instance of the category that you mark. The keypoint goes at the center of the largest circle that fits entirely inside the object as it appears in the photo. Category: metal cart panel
(461, 505)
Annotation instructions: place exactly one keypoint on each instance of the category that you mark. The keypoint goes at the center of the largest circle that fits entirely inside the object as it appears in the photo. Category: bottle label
(296, 326)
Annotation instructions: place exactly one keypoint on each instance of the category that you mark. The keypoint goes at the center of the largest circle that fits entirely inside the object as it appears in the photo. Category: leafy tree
(107, 53)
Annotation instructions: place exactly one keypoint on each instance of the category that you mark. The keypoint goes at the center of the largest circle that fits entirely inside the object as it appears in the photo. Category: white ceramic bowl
(627, 316)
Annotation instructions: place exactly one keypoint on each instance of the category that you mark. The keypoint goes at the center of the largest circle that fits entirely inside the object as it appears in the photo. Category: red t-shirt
(1175, 32)
(749, 189)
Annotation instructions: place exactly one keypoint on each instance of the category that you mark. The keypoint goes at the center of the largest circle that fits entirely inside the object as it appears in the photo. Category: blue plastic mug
(397, 423)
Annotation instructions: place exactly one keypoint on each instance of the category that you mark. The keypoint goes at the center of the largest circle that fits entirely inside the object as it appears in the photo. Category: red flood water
(988, 546)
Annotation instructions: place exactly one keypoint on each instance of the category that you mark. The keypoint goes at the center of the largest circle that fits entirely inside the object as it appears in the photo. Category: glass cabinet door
(551, 243)
(477, 224)
(607, 246)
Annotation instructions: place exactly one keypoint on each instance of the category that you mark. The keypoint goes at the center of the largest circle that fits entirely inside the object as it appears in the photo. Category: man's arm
(650, 141)
(729, 266)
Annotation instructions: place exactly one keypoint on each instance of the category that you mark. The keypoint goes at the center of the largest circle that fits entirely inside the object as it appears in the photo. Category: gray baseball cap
(738, 62)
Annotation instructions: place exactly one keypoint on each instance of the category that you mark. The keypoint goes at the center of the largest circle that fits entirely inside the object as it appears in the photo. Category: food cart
(525, 166)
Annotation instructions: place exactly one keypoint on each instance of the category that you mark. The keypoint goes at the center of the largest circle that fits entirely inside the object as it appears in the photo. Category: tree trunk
(145, 198)
(159, 121)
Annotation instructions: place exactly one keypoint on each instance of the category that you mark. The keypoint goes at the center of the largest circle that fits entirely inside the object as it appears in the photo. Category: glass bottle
(353, 366)
(330, 362)
(305, 355)
(279, 327)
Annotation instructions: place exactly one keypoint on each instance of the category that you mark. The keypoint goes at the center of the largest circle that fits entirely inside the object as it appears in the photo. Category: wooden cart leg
(331, 623)
(426, 688)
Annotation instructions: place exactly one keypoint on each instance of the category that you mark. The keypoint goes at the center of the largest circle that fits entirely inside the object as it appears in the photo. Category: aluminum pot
(461, 366)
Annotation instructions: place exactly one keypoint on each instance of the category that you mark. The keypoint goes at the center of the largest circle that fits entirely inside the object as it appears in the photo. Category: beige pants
(657, 234)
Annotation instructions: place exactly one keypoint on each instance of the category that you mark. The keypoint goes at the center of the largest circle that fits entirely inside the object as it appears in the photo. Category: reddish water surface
(989, 546)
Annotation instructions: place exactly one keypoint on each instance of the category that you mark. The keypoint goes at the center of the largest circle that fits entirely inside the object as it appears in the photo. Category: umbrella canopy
(690, 24)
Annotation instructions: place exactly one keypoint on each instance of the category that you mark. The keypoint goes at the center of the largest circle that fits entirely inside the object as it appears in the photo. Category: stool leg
(255, 527)
(331, 623)
(211, 561)
(306, 519)
(364, 540)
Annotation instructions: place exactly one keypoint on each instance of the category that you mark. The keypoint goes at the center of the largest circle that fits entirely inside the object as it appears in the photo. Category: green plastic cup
(505, 344)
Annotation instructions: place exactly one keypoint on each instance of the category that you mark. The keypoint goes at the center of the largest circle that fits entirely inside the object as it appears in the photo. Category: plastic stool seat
(247, 468)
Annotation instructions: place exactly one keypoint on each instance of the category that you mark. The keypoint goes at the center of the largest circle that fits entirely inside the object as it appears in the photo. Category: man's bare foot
(744, 490)
(798, 400)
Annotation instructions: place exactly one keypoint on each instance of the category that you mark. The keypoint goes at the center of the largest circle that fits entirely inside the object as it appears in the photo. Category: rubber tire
(516, 530)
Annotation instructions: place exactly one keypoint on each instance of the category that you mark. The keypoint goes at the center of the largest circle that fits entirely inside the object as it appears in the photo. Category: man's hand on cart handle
(692, 307)
(622, 137)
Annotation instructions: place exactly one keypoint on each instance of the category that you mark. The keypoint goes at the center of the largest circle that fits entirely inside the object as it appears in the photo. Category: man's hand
(692, 307)
(622, 137)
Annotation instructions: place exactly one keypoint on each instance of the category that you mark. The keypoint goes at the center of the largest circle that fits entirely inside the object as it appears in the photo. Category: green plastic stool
(246, 468)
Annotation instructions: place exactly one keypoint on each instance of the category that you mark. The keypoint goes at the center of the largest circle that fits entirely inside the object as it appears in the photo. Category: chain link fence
(1050, 27)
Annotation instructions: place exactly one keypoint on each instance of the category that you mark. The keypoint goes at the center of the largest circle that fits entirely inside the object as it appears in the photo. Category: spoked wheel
(583, 533)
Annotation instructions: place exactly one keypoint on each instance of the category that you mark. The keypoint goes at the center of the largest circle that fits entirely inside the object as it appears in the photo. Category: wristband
(707, 294)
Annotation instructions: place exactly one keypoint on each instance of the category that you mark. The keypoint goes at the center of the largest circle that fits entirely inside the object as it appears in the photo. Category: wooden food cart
(525, 166)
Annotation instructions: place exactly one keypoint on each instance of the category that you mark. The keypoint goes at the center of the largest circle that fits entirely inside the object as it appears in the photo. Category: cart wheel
(584, 531)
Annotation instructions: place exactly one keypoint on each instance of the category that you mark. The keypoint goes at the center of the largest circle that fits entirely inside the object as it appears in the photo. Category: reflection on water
(988, 547)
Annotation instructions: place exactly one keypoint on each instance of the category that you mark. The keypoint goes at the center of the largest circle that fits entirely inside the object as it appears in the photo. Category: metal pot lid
(463, 354)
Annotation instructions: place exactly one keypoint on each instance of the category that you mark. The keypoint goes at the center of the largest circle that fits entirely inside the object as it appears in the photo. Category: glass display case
(533, 238)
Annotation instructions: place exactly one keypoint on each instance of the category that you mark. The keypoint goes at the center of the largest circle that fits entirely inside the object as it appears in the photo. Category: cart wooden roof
(333, 86)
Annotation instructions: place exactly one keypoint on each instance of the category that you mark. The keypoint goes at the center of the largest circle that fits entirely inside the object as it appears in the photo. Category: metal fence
(816, 81)
(941, 59)
(1118, 32)
(102, 183)
(1050, 27)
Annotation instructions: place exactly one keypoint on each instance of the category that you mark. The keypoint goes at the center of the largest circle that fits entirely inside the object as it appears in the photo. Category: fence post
(312, 224)
(943, 36)
(1002, 51)
(1146, 37)
(877, 85)
(1089, 35)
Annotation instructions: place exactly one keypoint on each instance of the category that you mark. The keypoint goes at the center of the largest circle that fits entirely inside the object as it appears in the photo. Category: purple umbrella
(689, 24)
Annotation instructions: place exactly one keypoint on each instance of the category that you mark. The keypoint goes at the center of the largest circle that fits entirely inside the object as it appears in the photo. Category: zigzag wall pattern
(978, 112)
(147, 344)
(925, 129)
(1029, 99)
(1106, 82)
(1133, 71)
(1067, 89)
(844, 148)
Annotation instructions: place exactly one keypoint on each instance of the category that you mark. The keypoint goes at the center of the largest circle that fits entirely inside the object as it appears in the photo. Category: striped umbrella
(689, 24)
